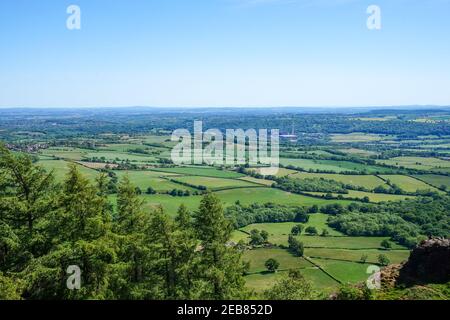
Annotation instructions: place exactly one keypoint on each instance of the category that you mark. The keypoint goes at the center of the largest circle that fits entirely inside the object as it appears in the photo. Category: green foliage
(258, 237)
(352, 292)
(269, 212)
(311, 230)
(126, 254)
(386, 244)
(291, 287)
(272, 265)
(295, 246)
(219, 264)
(10, 289)
(297, 230)
(383, 260)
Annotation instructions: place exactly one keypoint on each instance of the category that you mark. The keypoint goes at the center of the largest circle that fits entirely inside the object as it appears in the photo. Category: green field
(333, 165)
(122, 156)
(246, 196)
(200, 171)
(408, 184)
(355, 137)
(395, 256)
(263, 182)
(263, 195)
(170, 203)
(214, 183)
(65, 153)
(282, 172)
(257, 258)
(346, 272)
(278, 234)
(422, 163)
(366, 181)
(145, 179)
(60, 169)
(318, 220)
(358, 152)
(436, 180)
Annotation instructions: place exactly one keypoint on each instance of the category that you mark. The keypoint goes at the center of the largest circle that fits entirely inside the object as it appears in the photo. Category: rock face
(429, 263)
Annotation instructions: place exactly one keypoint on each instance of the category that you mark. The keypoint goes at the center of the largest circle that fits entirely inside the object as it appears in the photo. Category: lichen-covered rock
(429, 263)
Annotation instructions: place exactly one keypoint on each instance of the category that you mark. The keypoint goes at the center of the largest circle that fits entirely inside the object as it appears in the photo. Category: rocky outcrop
(429, 263)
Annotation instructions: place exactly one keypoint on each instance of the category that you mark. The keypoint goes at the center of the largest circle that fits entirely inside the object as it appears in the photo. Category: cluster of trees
(295, 246)
(122, 254)
(310, 185)
(258, 237)
(376, 224)
(269, 212)
(406, 222)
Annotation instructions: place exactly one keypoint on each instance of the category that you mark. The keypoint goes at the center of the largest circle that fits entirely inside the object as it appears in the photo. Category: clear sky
(211, 53)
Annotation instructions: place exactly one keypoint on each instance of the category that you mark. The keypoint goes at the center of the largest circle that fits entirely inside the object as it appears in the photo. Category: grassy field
(366, 181)
(170, 203)
(263, 182)
(145, 179)
(278, 234)
(282, 172)
(61, 168)
(358, 152)
(355, 137)
(214, 183)
(395, 256)
(422, 163)
(200, 171)
(373, 197)
(435, 180)
(263, 195)
(257, 258)
(333, 165)
(228, 197)
(318, 220)
(346, 272)
(122, 156)
(65, 153)
(407, 183)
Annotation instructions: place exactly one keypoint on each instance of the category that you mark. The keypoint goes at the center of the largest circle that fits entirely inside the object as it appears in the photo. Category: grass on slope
(61, 168)
(366, 181)
(214, 183)
(409, 184)
(200, 171)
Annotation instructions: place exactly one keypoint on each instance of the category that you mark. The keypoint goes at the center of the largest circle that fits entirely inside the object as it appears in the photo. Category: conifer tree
(221, 270)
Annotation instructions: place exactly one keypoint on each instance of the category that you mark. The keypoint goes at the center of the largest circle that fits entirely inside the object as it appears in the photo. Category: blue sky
(212, 53)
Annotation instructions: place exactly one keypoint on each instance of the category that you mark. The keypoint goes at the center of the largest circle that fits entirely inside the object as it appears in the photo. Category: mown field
(200, 171)
(159, 181)
(245, 196)
(436, 180)
(409, 184)
(214, 183)
(422, 163)
(366, 181)
(60, 169)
